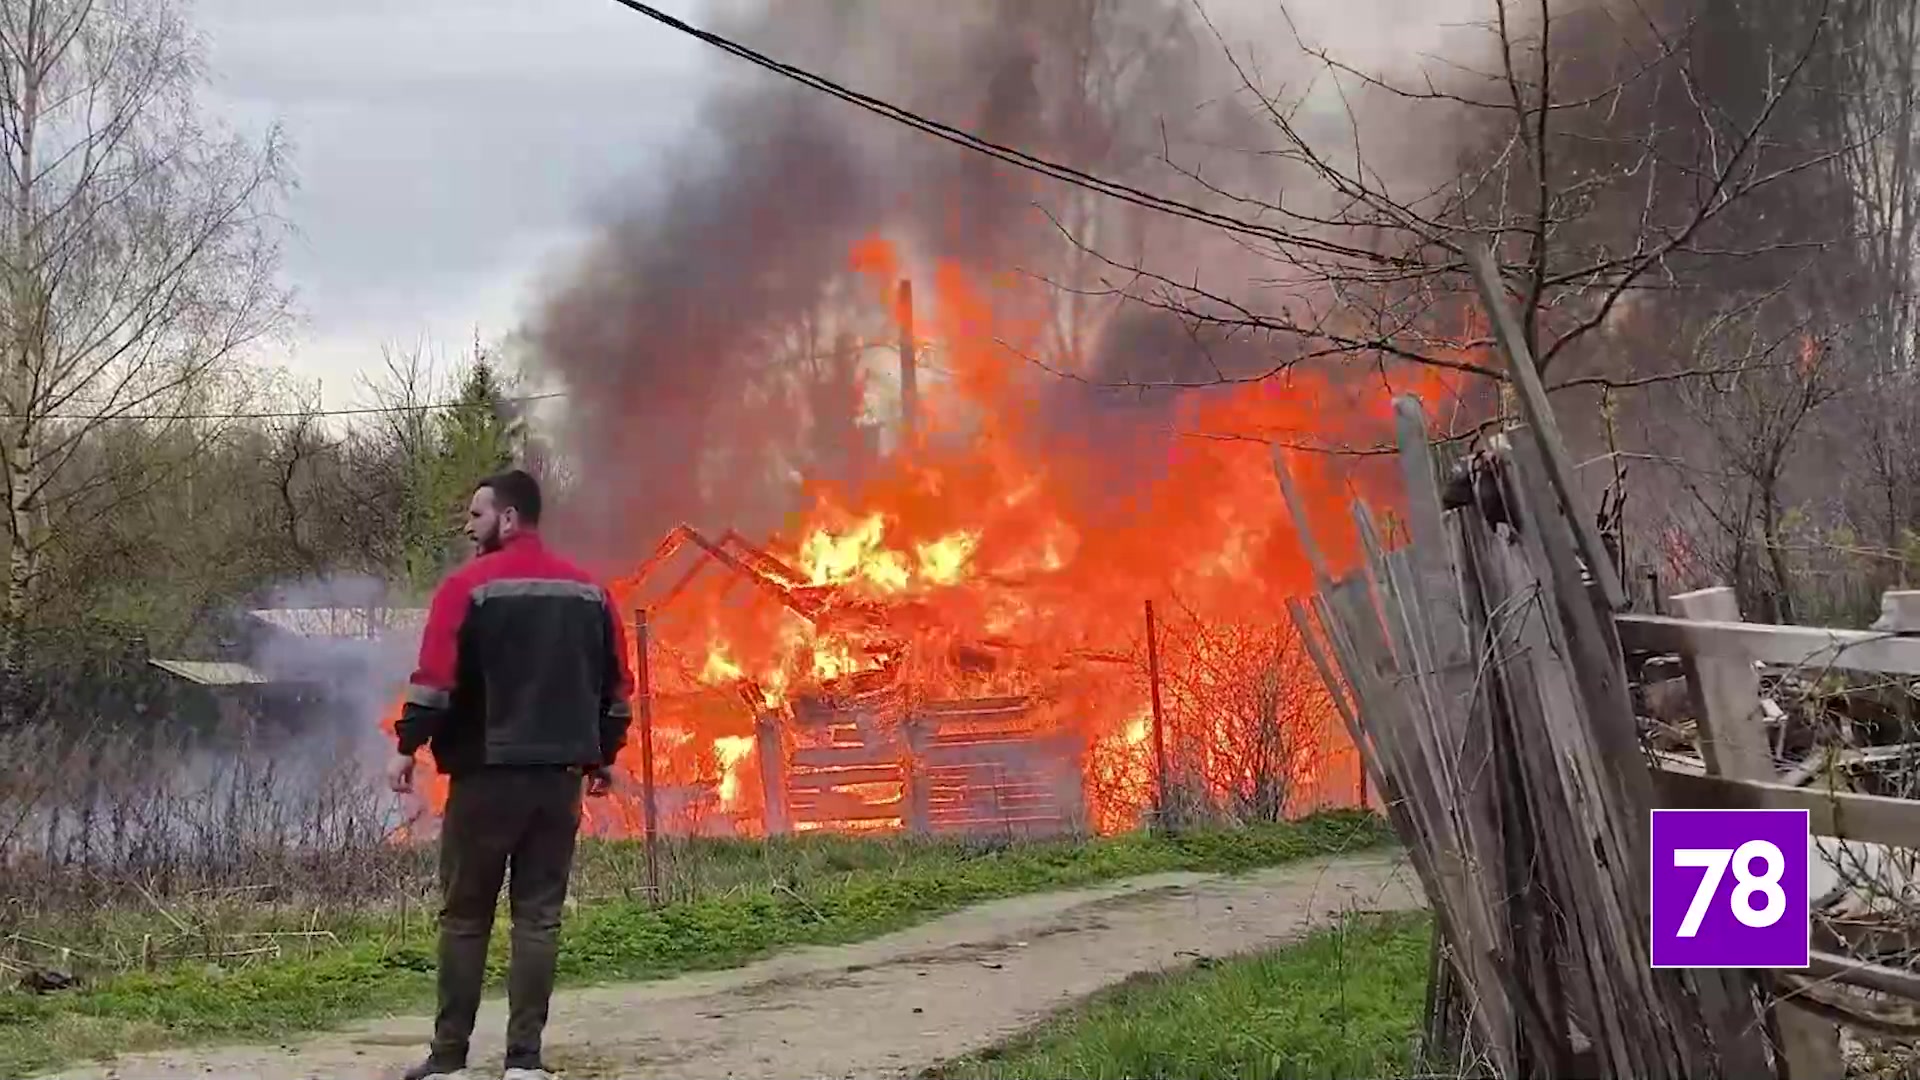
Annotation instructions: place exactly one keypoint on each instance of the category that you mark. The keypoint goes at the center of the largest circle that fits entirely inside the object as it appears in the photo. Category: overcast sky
(447, 150)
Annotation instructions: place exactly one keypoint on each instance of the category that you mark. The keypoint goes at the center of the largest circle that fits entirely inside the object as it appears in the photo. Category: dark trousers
(525, 819)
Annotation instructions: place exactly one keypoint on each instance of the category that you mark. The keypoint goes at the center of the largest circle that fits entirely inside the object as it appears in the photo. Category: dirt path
(883, 1008)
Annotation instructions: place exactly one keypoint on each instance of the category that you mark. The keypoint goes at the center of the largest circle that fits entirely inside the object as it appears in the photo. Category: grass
(1340, 1005)
(742, 900)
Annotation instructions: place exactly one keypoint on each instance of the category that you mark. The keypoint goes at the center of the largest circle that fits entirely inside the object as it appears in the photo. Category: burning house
(860, 747)
(909, 537)
(952, 642)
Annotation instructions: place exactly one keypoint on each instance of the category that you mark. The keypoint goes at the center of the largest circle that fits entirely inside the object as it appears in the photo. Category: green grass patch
(1343, 1004)
(744, 900)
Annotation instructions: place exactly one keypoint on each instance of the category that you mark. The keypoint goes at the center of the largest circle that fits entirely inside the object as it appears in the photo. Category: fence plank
(1898, 982)
(1544, 427)
(1781, 646)
(1733, 741)
(1843, 815)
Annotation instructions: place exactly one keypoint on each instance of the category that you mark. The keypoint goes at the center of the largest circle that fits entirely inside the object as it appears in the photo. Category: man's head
(503, 506)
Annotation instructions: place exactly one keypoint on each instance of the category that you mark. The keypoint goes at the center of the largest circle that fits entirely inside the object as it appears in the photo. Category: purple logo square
(1730, 889)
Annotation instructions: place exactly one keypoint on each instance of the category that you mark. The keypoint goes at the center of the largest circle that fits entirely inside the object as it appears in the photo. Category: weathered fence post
(909, 368)
(773, 786)
(1159, 721)
(1733, 743)
(643, 692)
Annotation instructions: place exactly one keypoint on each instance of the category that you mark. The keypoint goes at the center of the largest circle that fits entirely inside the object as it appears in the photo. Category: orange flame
(996, 563)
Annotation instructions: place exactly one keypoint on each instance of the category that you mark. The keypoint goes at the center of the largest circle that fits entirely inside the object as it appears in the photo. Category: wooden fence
(1723, 659)
(936, 767)
(1481, 658)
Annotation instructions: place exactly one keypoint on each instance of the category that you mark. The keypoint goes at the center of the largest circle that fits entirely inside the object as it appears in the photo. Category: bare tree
(1620, 157)
(1706, 193)
(1799, 504)
(1875, 78)
(138, 251)
(1755, 418)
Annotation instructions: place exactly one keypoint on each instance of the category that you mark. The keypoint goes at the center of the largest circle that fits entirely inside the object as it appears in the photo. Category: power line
(292, 414)
(1055, 170)
(1011, 155)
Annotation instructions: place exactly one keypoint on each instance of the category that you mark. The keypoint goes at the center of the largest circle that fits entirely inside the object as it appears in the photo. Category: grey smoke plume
(350, 680)
(662, 333)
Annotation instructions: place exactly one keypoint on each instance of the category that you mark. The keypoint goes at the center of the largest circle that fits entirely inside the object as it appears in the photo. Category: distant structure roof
(212, 672)
(342, 622)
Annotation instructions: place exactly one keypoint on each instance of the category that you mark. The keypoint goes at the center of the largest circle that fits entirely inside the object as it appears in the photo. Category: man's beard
(487, 543)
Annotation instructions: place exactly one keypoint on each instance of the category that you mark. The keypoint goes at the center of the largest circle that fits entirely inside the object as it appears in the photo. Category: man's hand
(400, 774)
(599, 781)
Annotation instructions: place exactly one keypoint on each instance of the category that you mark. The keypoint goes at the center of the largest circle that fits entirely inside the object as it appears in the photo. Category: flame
(944, 561)
(731, 750)
(720, 670)
(430, 788)
(996, 561)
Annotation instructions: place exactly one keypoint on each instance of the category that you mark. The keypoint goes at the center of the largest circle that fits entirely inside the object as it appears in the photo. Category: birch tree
(138, 258)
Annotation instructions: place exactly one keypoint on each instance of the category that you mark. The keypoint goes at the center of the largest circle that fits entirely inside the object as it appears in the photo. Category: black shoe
(434, 1069)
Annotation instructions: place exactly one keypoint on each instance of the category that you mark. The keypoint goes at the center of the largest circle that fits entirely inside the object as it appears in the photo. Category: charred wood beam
(808, 608)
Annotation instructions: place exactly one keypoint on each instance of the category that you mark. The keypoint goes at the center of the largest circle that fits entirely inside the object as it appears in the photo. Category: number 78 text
(1715, 862)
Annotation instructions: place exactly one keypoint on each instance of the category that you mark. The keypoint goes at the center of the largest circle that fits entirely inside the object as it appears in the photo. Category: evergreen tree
(479, 433)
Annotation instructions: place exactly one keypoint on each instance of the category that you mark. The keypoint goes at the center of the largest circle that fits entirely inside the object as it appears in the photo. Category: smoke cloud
(352, 661)
(665, 333)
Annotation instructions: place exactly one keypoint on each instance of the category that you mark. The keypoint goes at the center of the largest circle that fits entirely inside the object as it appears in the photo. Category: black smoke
(675, 337)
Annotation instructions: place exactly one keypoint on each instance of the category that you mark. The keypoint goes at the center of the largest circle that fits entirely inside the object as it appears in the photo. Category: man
(521, 692)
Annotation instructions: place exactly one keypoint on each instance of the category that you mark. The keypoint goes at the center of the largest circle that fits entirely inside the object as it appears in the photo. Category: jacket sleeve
(430, 689)
(616, 692)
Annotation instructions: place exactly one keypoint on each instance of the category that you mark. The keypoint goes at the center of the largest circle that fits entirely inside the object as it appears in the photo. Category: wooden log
(1733, 742)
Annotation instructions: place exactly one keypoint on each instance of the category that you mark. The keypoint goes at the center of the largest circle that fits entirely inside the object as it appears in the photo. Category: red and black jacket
(523, 662)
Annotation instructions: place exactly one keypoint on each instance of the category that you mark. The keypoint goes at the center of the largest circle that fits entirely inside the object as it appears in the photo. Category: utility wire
(1011, 155)
(1008, 154)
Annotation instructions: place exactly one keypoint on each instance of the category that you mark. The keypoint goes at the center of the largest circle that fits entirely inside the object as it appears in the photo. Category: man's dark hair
(515, 488)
